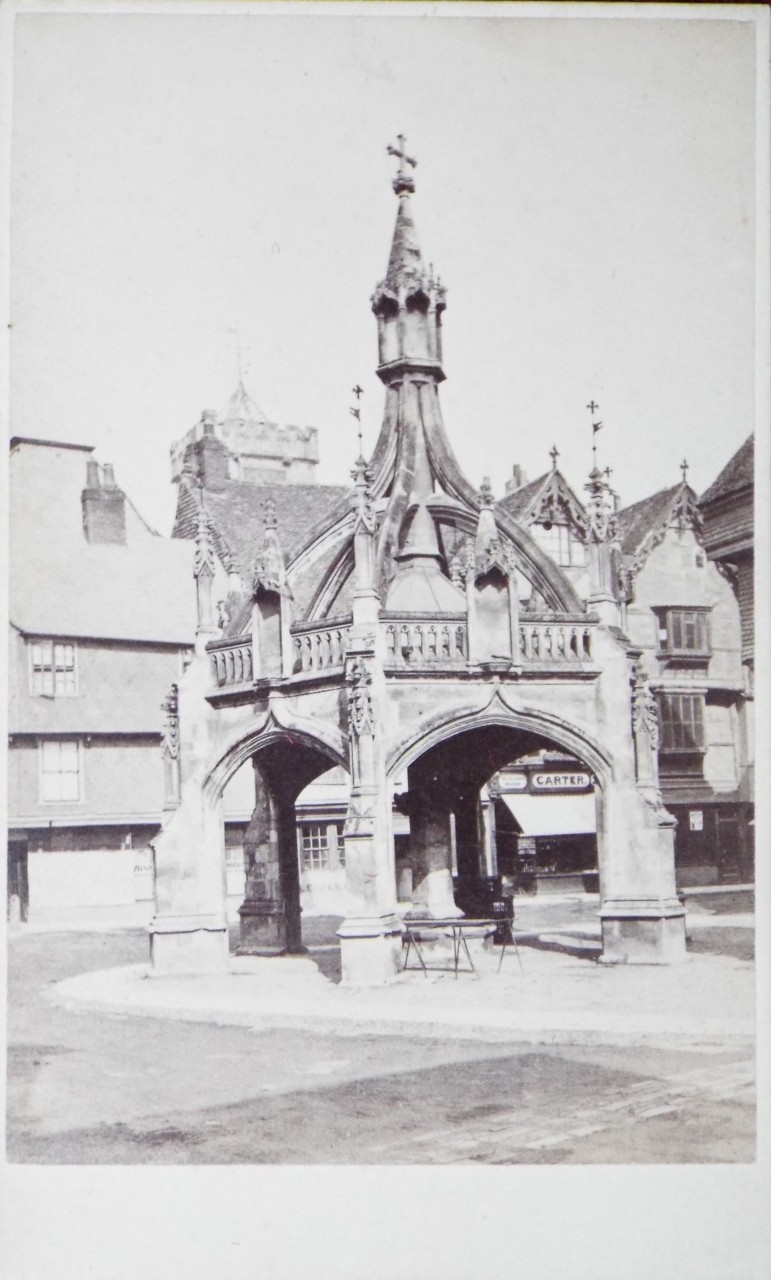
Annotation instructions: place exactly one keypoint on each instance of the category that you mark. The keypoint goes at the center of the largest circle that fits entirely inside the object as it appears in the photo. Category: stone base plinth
(643, 933)
(188, 944)
(263, 929)
(370, 950)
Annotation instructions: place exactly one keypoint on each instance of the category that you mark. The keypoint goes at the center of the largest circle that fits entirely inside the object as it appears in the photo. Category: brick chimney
(211, 455)
(104, 506)
(517, 479)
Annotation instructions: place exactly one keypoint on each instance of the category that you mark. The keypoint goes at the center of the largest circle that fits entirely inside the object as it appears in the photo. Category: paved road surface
(86, 1087)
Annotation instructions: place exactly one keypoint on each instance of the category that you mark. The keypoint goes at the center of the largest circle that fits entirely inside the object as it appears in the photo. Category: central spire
(409, 302)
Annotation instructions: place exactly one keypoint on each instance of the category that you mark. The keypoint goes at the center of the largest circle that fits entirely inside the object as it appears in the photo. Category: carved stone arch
(331, 585)
(547, 577)
(532, 720)
(326, 739)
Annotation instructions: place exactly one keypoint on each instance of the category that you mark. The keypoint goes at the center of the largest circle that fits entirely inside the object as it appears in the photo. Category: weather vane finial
(356, 413)
(596, 426)
(403, 181)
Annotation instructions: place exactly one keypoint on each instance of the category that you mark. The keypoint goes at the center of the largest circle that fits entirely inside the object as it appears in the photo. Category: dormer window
(52, 669)
(684, 632)
(560, 543)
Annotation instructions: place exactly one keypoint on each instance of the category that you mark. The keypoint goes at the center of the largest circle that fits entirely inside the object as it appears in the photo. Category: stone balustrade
(409, 642)
(319, 648)
(231, 661)
(425, 641)
(554, 641)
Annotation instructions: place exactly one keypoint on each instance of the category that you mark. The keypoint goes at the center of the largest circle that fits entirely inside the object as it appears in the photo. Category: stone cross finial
(684, 469)
(403, 180)
(554, 454)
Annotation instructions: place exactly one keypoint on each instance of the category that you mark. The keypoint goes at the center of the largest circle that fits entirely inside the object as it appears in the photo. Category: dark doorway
(18, 877)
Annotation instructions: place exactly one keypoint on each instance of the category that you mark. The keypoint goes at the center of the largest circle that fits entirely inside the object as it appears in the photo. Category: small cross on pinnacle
(592, 407)
(684, 469)
(554, 454)
(403, 180)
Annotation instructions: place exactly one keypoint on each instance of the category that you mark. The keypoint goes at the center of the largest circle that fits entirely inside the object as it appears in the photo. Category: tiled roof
(517, 502)
(641, 518)
(737, 474)
(237, 512)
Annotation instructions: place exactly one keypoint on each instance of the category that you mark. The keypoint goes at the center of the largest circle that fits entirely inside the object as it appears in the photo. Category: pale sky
(585, 188)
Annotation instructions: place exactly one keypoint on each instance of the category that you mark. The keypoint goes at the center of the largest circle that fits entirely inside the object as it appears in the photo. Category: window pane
(68, 756)
(315, 847)
(686, 631)
(60, 771)
(53, 668)
(68, 786)
(682, 722)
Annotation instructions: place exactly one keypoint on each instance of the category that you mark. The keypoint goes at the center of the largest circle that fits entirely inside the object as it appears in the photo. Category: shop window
(684, 631)
(682, 722)
(60, 770)
(52, 669)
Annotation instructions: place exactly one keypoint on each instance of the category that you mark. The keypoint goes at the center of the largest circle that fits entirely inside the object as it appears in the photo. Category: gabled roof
(736, 475)
(637, 521)
(62, 585)
(547, 497)
(517, 503)
(237, 513)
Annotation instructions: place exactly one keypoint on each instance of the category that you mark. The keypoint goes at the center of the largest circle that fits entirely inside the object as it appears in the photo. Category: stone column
(430, 851)
(469, 837)
(370, 935)
(262, 913)
(189, 930)
(643, 921)
(601, 533)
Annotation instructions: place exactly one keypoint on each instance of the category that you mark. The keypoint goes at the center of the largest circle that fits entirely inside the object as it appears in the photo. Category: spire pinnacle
(404, 181)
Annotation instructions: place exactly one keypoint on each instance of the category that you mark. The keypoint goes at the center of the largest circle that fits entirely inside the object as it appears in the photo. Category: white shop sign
(514, 782)
(560, 781)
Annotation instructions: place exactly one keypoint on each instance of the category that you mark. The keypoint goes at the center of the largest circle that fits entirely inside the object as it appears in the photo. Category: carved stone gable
(557, 504)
